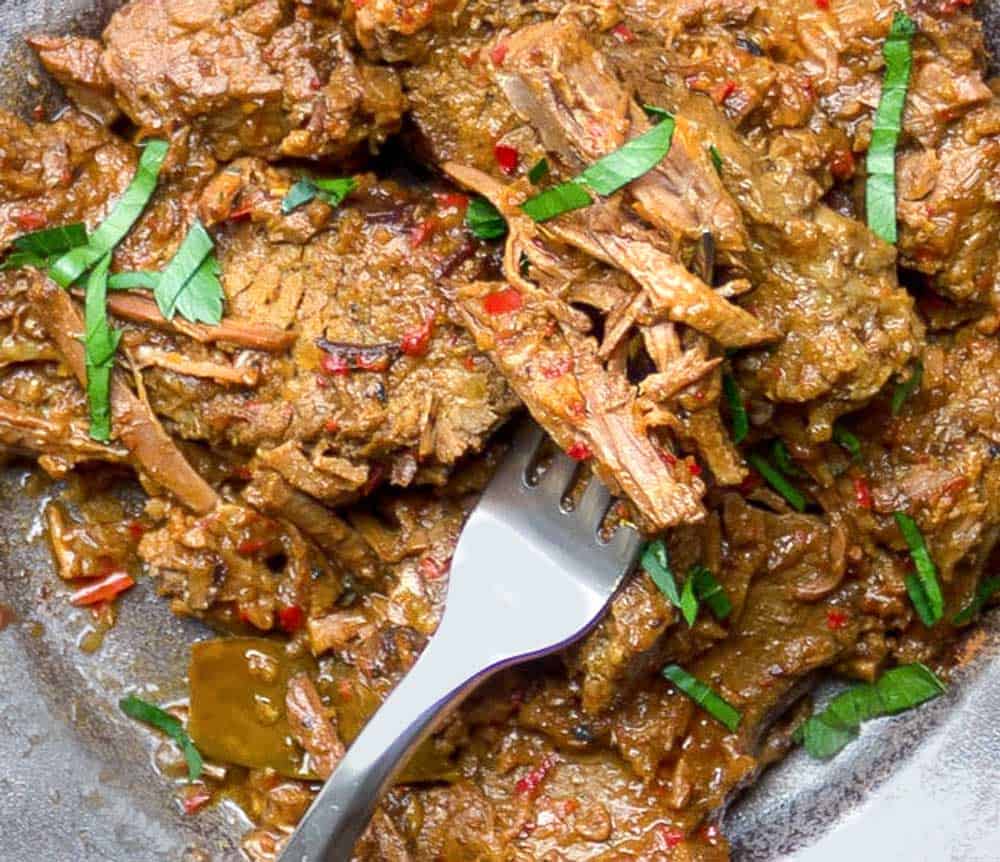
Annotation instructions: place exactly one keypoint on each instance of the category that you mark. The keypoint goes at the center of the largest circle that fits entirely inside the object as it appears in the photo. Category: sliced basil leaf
(689, 602)
(737, 412)
(702, 694)
(656, 564)
(880, 190)
(68, 268)
(539, 172)
(484, 219)
(783, 459)
(630, 161)
(657, 113)
(847, 440)
(780, 484)
(100, 343)
(906, 389)
(826, 733)
(932, 609)
(716, 157)
(139, 280)
(298, 195)
(708, 590)
(152, 715)
(19, 259)
(557, 200)
(987, 588)
(188, 288)
(330, 191)
(52, 240)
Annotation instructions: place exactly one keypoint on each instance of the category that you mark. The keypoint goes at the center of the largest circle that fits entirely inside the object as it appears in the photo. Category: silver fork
(528, 577)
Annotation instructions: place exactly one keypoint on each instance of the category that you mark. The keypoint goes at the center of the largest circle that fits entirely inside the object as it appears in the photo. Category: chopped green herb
(708, 590)
(689, 602)
(906, 389)
(703, 695)
(848, 441)
(74, 263)
(100, 343)
(656, 564)
(630, 161)
(930, 606)
(826, 733)
(190, 286)
(737, 412)
(51, 241)
(152, 715)
(783, 458)
(984, 592)
(780, 484)
(657, 113)
(880, 192)
(716, 158)
(484, 219)
(330, 191)
(539, 172)
(139, 280)
(557, 200)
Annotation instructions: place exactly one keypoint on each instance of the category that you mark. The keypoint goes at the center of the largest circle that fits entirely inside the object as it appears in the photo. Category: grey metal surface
(77, 782)
(527, 578)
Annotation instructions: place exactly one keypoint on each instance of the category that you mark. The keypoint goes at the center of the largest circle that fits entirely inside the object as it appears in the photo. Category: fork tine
(557, 476)
(594, 503)
(625, 543)
(514, 468)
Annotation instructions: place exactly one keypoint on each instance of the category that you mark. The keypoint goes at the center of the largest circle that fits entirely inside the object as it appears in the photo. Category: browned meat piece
(312, 727)
(134, 423)
(76, 63)
(250, 77)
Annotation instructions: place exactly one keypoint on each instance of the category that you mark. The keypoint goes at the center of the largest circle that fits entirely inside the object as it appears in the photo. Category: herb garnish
(904, 687)
(848, 441)
(330, 191)
(656, 564)
(905, 389)
(189, 285)
(880, 192)
(151, 714)
(539, 171)
(100, 343)
(716, 157)
(484, 219)
(708, 590)
(556, 201)
(923, 587)
(40, 247)
(780, 484)
(738, 413)
(783, 458)
(74, 263)
(689, 602)
(984, 592)
(702, 694)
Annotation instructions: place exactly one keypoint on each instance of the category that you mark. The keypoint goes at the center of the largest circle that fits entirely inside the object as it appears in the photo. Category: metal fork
(528, 577)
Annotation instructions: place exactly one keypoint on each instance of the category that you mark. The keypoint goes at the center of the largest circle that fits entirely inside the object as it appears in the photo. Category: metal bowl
(78, 783)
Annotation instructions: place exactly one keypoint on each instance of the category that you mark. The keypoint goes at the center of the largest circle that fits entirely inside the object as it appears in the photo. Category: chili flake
(507, 158)
(291, 618)
(835, 620)
(579, 451)
(417, 340)
(623, 33)
(499, 52)
(862, 493)
(503, 301)
(530, 783)
(102, 590)
(31, 220)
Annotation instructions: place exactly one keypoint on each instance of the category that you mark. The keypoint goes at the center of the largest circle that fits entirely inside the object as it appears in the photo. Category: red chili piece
(453, 199)
(136, 529)
(499, 52)
(431, 570)
(331, 426)
(670, 836)
(335, 366)
(694, 468)
(862, 493)
(31, 220)
(503, 301)
(194, 802)
(725, 91)
(623, 33)
(579, 451)
(416, 341)
(842, 165)
(423, 231)
(835, 620)
(557, 369)
(102, 590)
(507, 158)
(249, 547)
(291, 618)
(822, 4)
(530, 784)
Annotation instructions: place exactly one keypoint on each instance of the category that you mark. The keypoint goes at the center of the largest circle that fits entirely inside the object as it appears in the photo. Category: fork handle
(438, 681)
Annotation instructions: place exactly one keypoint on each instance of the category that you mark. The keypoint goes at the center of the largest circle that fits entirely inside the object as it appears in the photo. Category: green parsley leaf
(100, 343)
(656, 564)
(906, 389)
(826, 733)
(930, 606)
(539, 172)
(848, 441)
(68, 268)
(716, 157)
(737, 412)
(189, 285)
(880, 191)
(780, 484)
(984, 592)
(702, 694)
(708, 590)
(689, 602)
(330, 191)
(152, 715)
(484, 219)
(557, 200)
